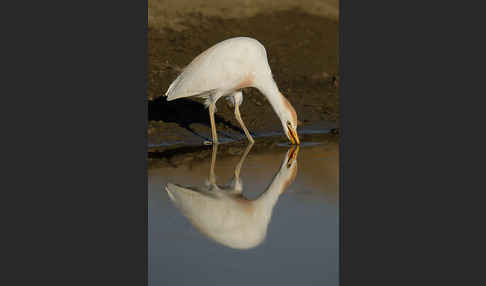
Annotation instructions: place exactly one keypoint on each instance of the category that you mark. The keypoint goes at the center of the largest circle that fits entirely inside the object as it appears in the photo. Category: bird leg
(213, 125)
(212, 175)
(240, 163)
(240, 120)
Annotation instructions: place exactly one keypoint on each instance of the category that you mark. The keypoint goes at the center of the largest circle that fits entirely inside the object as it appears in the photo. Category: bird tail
(171, 87)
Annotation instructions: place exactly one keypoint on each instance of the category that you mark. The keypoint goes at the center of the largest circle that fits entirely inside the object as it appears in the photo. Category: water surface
(259, 216)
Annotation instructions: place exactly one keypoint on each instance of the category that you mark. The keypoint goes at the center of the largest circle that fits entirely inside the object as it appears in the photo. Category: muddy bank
(303, 54)
(183, 154)
(170, 13)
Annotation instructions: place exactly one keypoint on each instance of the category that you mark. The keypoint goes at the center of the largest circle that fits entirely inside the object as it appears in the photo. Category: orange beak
(294, 138)
(293, 155)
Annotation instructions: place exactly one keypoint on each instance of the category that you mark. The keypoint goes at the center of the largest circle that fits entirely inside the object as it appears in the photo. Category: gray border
(78, 144)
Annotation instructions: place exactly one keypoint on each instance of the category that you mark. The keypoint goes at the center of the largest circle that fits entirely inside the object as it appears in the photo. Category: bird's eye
(289, 124)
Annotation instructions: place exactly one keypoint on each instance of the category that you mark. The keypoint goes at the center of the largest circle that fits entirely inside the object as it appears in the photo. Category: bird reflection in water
(223, 214)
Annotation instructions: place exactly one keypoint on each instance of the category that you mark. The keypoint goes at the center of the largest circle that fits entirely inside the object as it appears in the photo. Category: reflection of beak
(294, 138)
(294, 151)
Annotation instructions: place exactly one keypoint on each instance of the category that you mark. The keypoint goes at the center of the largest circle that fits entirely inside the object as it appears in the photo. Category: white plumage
(223, 70)
(223, 214)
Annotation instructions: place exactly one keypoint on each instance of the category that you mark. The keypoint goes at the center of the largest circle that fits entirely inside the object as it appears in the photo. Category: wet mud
(183, 154)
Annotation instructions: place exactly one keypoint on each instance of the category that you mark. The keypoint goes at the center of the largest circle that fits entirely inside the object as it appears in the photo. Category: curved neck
(271, 92)
(268, 199)
(273, 192)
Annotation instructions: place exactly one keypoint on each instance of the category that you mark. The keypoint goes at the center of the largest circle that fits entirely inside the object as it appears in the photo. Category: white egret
(223, 70)
(223, 214)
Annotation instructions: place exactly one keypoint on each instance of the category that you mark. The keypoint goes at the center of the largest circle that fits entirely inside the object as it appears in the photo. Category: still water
(252, 217)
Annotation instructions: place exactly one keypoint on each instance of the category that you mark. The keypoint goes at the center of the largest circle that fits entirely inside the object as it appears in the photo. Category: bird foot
(210, 142)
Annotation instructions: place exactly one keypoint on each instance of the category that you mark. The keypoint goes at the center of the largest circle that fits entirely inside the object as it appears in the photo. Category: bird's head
(289, 122)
